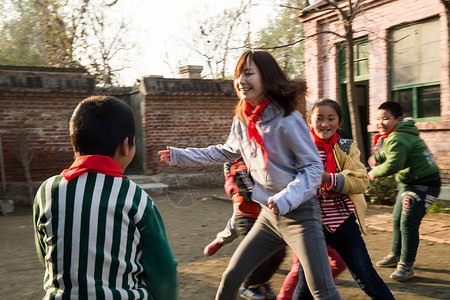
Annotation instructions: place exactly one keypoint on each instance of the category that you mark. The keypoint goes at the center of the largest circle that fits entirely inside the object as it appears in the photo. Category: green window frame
(414, 59)
(360, 60)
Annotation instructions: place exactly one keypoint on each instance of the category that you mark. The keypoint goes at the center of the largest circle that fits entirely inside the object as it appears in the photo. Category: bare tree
(446, 4)
(346, 16)
(346, 11)
(86, 33)
(22, 43)
(60, 27)
(104, 39)
(24, 153)
(284, 29)
(219, 37)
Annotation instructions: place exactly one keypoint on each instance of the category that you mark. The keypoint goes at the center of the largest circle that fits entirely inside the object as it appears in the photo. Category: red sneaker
(212, 248)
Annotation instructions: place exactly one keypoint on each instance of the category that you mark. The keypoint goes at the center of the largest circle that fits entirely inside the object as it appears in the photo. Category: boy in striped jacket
(98, 234)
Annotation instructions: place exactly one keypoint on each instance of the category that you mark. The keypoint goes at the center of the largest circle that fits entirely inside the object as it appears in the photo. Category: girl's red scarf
(330, 166)
(253, 115)
(93, 163)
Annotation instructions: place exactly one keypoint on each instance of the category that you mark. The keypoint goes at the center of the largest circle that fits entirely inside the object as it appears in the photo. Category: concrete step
(6, 206)
(141, 179)
(154, 189)
(150, 184)
(160, 183)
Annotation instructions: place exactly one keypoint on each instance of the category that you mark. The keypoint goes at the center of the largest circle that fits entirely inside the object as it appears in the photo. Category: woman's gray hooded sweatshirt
(294, 169)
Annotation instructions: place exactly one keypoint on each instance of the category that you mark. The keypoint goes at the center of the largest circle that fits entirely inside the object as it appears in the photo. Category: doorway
(362, 99)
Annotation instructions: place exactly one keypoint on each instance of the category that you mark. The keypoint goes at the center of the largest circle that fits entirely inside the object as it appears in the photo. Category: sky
(160, 26)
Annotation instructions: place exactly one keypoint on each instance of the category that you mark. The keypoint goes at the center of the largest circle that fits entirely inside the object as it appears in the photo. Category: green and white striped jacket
(102, 237)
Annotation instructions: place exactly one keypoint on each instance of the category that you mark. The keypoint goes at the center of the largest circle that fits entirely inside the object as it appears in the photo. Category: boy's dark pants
(411, 206)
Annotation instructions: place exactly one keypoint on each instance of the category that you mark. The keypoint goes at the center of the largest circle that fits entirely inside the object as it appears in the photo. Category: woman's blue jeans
(350, 245)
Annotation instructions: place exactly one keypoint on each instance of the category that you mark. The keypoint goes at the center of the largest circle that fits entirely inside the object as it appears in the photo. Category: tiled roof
(170, 86)
(312, 8)
(43, 69)
(116, 91)
(14, 78)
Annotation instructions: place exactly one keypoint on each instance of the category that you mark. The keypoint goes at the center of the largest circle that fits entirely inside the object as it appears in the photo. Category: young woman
(273, 139)
(341, 199)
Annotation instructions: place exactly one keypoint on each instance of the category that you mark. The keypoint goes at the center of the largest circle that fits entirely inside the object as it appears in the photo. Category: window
(415, 68)
(360, 60)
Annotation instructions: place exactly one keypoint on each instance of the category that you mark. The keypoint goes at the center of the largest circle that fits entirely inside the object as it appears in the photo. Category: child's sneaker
(253, 293)
(403, 272)
(389, 261)
(212, 248)
(267, 291)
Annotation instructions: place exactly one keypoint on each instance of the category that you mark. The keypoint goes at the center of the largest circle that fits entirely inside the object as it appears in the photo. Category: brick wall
(36, 105)
(34, 116)
(182, 122)
(184, 113)
(375, 22)
(434, 140)
(39, 122)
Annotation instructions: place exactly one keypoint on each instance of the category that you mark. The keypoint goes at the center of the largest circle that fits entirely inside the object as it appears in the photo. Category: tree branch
(334, 4)
(290, 7)
(298, 41)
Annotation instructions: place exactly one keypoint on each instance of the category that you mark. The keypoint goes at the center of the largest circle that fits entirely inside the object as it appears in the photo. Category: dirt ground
(191, 226)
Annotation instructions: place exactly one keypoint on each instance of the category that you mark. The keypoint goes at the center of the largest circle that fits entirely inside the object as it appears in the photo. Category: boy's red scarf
(330, 166)
(378, 136)
(93, 163)
(253, 116)
(384, 136)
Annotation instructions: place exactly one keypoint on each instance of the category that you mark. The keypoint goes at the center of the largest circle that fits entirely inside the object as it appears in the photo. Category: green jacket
(405, 154)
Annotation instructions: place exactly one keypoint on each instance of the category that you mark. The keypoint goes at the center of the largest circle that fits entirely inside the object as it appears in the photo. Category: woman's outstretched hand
(165, 155)
(273, 206)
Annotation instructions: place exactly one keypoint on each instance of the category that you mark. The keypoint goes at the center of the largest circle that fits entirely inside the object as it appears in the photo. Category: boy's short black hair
(393, 107)
(100, 124)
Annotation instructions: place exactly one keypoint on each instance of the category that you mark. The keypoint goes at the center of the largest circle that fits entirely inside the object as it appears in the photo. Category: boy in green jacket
(97, 233)
(399, 150)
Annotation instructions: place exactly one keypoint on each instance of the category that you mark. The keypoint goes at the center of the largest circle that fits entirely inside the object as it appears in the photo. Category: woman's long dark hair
(277, 86)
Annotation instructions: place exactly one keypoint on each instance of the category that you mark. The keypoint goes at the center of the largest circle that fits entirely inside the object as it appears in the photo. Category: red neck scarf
(93, 163)
(253, 116)
(330, 166)
(378, 136)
